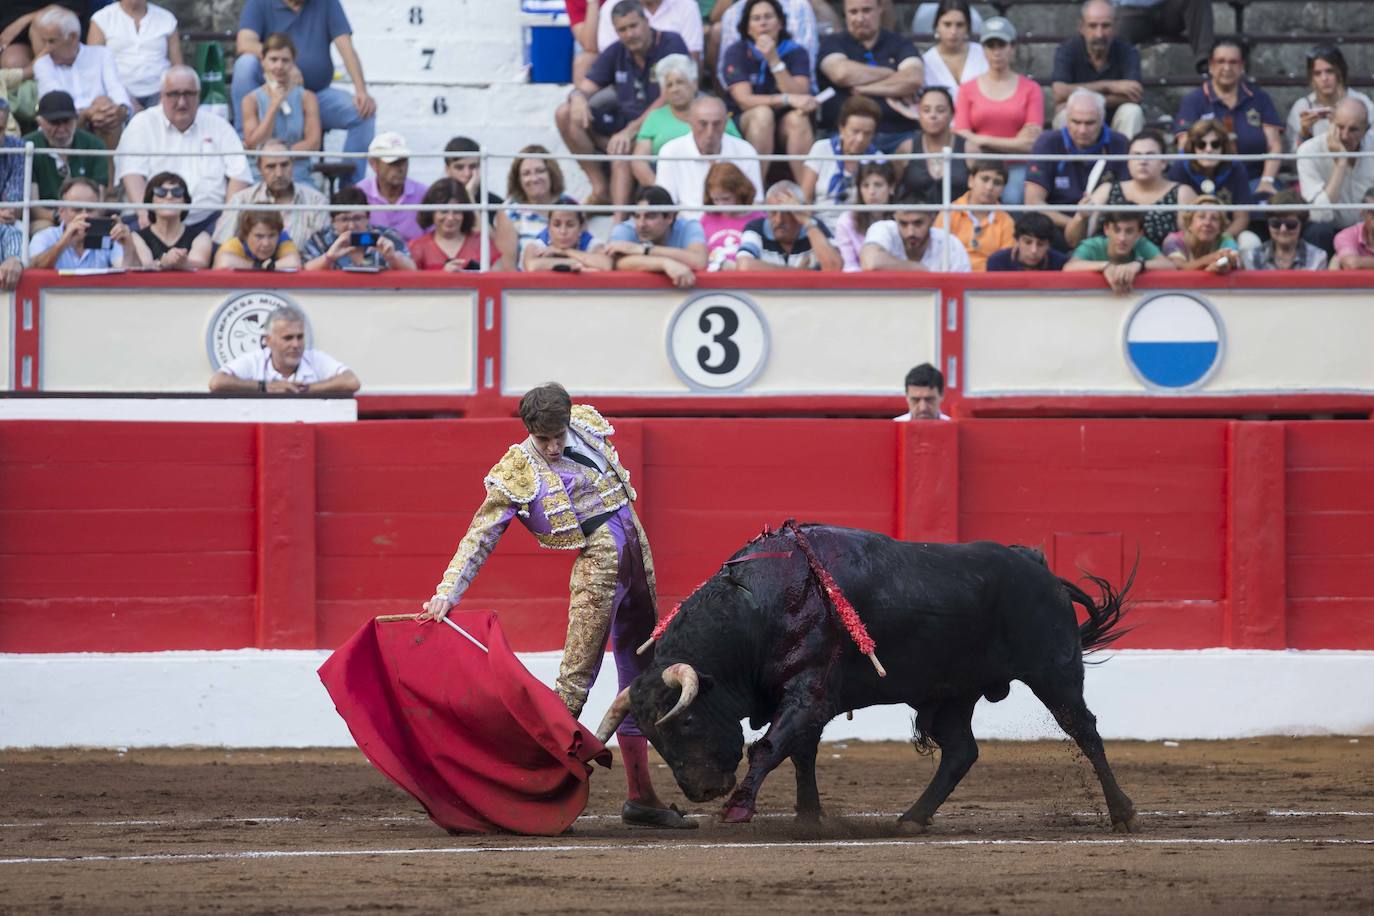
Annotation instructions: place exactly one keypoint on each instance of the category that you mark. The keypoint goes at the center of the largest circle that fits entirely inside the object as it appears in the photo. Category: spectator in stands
(1001, 111)
(924, 177)
(1064, 181)
(10, 81)
(659, 241)
(681, 17)
(281, 110)
(1146, 20)
(1201, 244)
(389, 158)
(1219, 177)
(467, 170)
(877, 184)
(451, 239)
(676, 76)
(982, 231)
(351, 242)
(583, 16)
(800, 16)
(1098, 61)
(726, 186)
(910, 242)
(787, 239)
(1031, 248)
(684, 162)
(1286, 249)
(566, 245)
(313, 26)
(1147, 187)
(925, 389)
(605, 111)
(75, 243)
(953, 60)
(768, 78)
(866, 59)
(11, 246)
(1121, 255)
(1242, 108)
(166, 242)
(1355, 244)
(144, 40)
(156, 138)
(11, 165)
(1335, 177)
(278, 186)
(828, 180)
(530, 184)
(1328, 76)
(86, 72)
(261, 243)
(284, 365)
(57, 130)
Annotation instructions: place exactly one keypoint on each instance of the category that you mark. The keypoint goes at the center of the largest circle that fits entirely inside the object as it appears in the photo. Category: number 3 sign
(718, 342)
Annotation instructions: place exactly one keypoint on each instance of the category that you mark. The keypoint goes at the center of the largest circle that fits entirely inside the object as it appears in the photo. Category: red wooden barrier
(165, 536)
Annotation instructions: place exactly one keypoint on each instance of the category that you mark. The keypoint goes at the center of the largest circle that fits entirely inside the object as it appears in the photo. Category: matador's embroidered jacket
(523, 485)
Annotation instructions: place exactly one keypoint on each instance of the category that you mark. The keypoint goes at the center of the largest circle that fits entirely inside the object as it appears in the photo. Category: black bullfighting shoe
(669, 818)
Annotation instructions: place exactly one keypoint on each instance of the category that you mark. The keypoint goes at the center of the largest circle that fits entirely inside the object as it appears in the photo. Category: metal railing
(945, 207)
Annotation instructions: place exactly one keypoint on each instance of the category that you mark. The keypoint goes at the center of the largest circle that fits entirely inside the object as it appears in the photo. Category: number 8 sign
(718, 341)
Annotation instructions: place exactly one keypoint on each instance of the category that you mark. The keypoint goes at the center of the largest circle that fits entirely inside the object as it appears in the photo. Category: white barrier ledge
(257, 698)
(182, 410)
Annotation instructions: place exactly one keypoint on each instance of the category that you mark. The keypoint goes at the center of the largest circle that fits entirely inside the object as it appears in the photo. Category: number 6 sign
(718, 341)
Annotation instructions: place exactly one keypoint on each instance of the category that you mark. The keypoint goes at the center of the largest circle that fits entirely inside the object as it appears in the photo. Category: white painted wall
(253, 698)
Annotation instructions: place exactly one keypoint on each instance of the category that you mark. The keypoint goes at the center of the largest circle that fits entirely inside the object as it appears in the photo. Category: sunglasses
(1217, 145)
(1290, 223)
(169, 192)
(1324, 52)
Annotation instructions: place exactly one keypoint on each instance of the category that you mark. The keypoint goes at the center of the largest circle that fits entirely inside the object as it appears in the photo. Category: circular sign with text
(1173, 340)
(718, 341)
(239, 325)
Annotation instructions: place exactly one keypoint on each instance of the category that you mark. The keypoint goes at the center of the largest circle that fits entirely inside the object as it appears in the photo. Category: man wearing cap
(389, 159)
(57, 130)
(175, 127)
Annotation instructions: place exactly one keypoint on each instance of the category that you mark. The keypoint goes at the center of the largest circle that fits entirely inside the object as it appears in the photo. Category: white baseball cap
(388, 147)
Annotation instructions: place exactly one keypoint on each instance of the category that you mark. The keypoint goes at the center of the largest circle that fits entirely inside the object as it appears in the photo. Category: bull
(953, 623)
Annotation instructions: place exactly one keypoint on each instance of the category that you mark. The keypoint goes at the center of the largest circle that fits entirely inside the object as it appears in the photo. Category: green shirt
(662, 125)
(45, 171)
(1095, 249)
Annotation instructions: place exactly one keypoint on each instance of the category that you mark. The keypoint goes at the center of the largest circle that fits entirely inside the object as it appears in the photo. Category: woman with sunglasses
(1001, 111)
(1327, 75)
(1219, 177)
(1286, 250)
(1147, 187)
(167, 243)
(1201, 245)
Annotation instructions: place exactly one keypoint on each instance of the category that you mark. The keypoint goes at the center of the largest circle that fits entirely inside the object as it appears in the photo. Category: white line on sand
(641, 847)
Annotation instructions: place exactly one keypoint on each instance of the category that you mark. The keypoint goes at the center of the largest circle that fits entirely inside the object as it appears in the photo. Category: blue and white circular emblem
(1173, 340)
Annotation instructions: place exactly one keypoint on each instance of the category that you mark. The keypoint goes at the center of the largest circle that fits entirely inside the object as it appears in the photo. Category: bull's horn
(685, 676)
(614, 716)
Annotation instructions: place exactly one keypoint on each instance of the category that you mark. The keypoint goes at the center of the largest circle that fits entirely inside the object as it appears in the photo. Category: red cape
(481, 743)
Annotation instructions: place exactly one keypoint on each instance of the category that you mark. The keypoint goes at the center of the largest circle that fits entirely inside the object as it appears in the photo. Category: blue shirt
(1005, 259)
(104, 256)
(12, 171)
(312, 30)
(889, 50)
(584, 241)
(683, 233)
(635, 88)
(1066, 179)
(1072, 64)
(1254, 109)
(742, 66)
(1230, 184)
(11, 241)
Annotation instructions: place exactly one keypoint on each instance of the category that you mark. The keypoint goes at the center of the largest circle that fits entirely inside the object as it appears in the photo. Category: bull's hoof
(738, 814)
(1129, 825)
(636, 815)
(912, 827)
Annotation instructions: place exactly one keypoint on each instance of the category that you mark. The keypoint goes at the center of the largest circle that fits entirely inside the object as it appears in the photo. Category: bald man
(1334, 177)
(1097, 60)
(686, 180)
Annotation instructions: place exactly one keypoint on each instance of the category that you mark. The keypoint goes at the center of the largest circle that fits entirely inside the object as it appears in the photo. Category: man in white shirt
(680, 16)
(685, 179)
(910, 242)
(1335, 177)
(157, 138)
(284, 365)
(278, 186)
(86, 72)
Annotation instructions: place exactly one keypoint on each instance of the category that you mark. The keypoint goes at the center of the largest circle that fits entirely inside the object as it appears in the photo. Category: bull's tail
(1103, 626)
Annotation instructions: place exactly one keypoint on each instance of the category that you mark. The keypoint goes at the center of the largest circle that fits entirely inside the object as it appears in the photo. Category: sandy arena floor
(1275, 825)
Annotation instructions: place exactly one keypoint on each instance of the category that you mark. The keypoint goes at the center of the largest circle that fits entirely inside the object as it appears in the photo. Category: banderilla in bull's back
(768, 639)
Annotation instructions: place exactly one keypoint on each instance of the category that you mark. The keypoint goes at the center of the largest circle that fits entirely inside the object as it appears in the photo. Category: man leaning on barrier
(910, 241)
(284, 365)
(787, 239)
(659, 241)
(1122, 254)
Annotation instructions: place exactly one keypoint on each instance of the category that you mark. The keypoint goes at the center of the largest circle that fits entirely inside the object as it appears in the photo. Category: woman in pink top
(726, 186)
(1001, 111)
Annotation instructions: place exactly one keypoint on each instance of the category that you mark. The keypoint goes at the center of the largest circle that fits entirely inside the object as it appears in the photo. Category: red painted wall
(166, 536)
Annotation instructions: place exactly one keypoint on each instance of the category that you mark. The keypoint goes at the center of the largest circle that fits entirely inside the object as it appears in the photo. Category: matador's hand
(436, 608)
